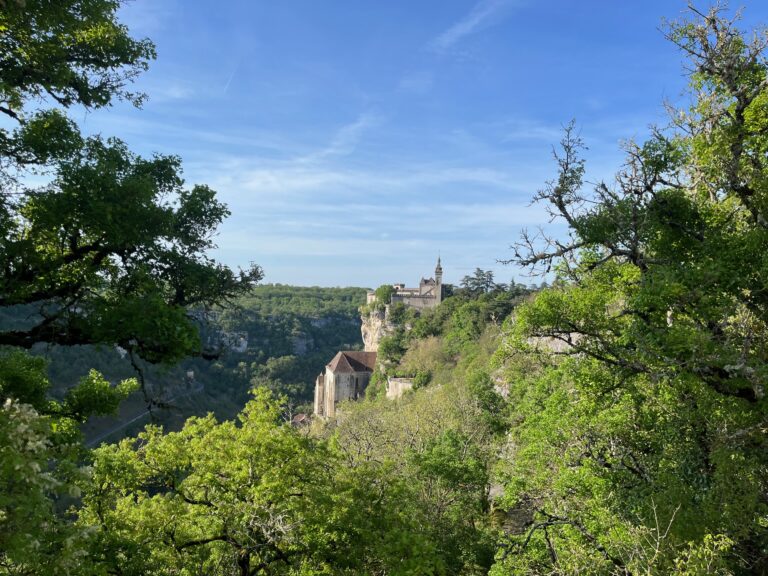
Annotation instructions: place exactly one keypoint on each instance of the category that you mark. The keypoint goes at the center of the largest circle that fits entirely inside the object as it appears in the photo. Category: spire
(438, 271)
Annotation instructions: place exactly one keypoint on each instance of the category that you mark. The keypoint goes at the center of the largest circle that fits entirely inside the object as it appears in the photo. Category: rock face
(374, 328)
(302, 344)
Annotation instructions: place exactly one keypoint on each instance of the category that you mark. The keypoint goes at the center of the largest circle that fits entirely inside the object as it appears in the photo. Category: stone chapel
(344, 378)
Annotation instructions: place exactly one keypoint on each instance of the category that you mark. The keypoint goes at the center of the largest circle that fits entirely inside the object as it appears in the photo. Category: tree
(384, 293)
(69, 52)
(247, 498)
(653, 425)
(35, 433)
(113, 250)
(438, 442)
(481, 282)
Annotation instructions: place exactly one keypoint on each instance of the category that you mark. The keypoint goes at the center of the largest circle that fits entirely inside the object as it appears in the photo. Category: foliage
(421, 378)
(111, 249)
(292, 332)
(437, 439)
(69, 52)
(442, 438)
(114, 251)
(640, 443)
(33, 539)
(481, 282)
(614, 423)
(267, 300)
(247, 498)
(384, 293)
(40, 448)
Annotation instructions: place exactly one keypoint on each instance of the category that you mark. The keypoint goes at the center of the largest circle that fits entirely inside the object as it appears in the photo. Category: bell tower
(439, 281)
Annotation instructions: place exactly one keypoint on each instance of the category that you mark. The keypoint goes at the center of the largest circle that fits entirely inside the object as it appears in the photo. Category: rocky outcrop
(302, 344)
(374, 328)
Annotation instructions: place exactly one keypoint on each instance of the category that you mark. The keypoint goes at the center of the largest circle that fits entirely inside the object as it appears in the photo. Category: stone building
(344, 378)
(347, 376)
(428, 295)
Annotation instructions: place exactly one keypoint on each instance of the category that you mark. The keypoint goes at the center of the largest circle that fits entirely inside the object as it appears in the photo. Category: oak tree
(642, 450)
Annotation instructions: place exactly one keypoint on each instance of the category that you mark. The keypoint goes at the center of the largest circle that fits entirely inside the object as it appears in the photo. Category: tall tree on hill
(481, 282)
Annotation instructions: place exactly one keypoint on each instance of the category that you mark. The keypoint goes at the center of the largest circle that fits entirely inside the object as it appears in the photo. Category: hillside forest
(612, 422)
(278, 337)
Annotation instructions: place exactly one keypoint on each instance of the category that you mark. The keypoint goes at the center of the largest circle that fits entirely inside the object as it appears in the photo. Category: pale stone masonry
(396, 387)
(428, 295)
(344, 378)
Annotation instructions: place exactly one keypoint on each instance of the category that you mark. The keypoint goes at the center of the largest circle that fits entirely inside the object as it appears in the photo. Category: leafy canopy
(114, 249)
(641, 446)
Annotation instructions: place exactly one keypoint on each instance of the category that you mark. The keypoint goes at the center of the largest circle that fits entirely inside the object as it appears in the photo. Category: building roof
(352, 361)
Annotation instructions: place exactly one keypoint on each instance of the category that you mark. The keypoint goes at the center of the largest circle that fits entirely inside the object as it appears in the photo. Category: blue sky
(354, 141)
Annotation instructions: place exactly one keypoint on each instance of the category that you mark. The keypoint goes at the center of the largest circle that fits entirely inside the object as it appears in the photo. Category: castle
(428, 295)
(347, 375)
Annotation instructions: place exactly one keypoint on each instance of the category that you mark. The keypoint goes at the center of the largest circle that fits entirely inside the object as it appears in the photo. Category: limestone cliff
(374, 328)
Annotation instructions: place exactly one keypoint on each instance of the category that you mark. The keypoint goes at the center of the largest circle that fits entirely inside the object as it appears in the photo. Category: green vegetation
(384, 293)
(389, 488)
(111, 250)
(252, 497)
(114, 248)
(461, 318)
(291, 332)
(383, 297)
(611, 424)
(643, 449)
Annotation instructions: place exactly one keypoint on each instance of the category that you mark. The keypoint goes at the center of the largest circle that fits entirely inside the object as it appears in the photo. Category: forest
(613, 421)
(288, 332)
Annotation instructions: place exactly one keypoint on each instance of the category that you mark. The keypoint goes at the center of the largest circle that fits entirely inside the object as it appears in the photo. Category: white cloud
(526, 130)
(147, 17)
(170, 91)
(482, 15)
(345, 140)
(297, 180)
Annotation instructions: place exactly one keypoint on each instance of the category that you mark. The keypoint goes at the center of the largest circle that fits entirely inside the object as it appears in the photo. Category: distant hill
(278, 336)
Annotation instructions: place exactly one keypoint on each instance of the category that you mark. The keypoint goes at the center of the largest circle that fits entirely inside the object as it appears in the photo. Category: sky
(356, 141)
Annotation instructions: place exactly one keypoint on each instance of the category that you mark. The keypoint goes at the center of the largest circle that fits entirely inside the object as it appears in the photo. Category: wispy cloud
(169, 90)
(231, 77)
(483, 14)
(147, 16)
(419, 82)
(300, 181)
(345, 140)
(530, 130)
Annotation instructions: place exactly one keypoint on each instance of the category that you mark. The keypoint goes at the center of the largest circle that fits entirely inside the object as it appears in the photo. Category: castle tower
(439, 281)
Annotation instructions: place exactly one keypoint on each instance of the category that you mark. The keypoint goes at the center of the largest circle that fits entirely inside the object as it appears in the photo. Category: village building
(344, 378)
(347, 376)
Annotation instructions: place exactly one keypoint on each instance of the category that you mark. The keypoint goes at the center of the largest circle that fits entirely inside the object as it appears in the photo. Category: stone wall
(396, 387)
(417, 302)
